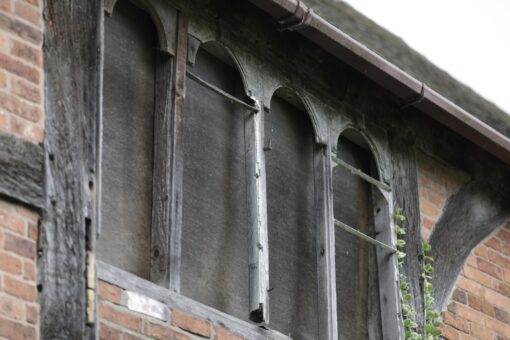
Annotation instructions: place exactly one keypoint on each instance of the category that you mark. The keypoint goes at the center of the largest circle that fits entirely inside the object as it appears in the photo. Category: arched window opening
(358, 308)
(290, 149)
(214, 267)
(128, 139)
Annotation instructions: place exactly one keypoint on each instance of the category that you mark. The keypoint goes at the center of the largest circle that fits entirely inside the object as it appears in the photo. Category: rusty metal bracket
(297, 20)
(416, 100)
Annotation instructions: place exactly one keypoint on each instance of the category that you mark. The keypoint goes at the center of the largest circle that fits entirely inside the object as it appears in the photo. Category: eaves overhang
(293, 15)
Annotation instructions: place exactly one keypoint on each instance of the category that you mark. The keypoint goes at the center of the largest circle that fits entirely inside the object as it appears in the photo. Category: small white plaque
(142, 304)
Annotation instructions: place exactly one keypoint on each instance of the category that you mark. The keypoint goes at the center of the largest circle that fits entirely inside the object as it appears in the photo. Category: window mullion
(257, 218)
(166, 226)
(389, 292)
(328, 321)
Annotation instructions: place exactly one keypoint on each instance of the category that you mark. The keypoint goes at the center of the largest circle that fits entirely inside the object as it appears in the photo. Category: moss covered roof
(396, 51)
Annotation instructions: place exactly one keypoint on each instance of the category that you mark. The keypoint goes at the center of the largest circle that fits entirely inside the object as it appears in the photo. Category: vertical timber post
(328, 326)
(257, 217)
(73, 61)
(169, 94)
(179, 95)
(406, 196)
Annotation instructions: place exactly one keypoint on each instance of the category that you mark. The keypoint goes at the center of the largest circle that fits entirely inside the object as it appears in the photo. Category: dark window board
(214, 214)
(356, 269)
(291, 221)
(128, 139)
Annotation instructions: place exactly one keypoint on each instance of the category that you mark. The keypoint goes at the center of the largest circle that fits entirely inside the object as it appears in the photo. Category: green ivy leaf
(426, 246)
(401, 243)
(428, 268)
(436, 332)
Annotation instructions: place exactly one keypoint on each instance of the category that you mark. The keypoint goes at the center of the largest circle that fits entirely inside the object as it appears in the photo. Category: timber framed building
(176, 169)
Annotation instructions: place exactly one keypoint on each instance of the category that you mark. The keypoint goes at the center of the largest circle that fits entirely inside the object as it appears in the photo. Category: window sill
(130, 282)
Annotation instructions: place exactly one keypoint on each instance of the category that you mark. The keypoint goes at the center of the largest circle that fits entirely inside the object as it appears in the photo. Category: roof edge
(293, 15)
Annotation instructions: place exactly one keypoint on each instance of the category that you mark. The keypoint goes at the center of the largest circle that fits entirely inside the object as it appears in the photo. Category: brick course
(19, 310)
(21, 73)
(21, 113)
(117, 321)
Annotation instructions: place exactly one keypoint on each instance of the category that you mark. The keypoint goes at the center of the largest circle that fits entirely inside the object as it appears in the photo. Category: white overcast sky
(470, 39)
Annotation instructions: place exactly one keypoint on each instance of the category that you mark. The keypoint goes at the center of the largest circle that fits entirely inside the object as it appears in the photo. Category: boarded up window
(291, 221)
(128, 119)
(214, 221)
(356, 270)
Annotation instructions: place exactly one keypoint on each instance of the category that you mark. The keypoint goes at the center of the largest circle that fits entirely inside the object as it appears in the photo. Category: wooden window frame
(384, 241)
(170, 65)
(176, 51)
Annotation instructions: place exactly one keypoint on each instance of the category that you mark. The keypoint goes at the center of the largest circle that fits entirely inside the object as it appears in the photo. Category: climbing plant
(432, 325)
(432, 318)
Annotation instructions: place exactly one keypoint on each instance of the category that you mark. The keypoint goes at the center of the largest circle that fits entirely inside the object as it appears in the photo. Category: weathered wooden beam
(257, 218)
(387, 268)
(72, 53)
(406, 196)
(21, 170)
(167, 200)
(328, 325)
(469, 216)
(162, 176)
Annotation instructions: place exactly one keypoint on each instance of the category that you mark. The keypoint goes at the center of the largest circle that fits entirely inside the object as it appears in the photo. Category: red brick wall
(19, 311)
(21, 113)
(118, 322)
(480, 303)
(21, 75)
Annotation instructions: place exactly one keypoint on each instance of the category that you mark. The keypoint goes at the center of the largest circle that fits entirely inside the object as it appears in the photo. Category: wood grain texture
(162, 181)
(406, 196)
(257, 218)
(21, 170)
(328, 326)
(72, 46)
(167, 209)
(469, 216)
(179, 97)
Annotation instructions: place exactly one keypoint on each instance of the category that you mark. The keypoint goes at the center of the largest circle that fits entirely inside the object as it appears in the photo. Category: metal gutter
(293, 15)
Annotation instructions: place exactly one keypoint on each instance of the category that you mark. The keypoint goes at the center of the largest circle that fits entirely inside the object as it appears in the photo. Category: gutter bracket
(416, 100)
(297, 20)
